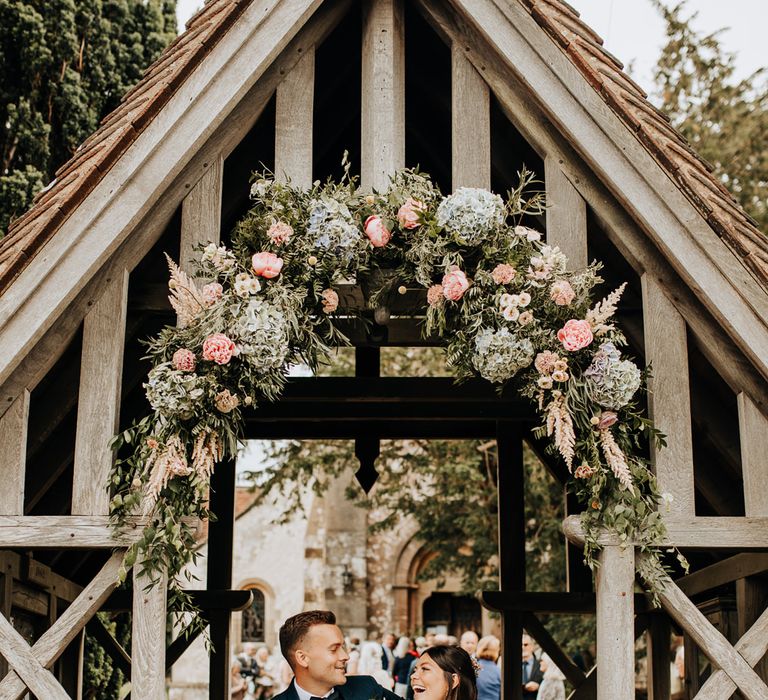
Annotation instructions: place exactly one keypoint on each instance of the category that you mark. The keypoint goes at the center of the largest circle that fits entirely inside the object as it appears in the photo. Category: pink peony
(218, 348)
(575, 335)
(184, 360)
(378, 234)
(280, 232)
(267, 265)
(330, 301)
(408, 215)
(455, 283)
(562, 293)
(212, 293)
(435, 295)
(503, 273)
(607, 419)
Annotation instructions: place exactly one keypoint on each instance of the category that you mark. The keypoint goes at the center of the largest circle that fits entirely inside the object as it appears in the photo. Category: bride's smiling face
(428, 680)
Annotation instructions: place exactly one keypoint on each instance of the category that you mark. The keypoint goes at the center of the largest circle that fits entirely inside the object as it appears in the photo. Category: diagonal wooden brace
(53, 642)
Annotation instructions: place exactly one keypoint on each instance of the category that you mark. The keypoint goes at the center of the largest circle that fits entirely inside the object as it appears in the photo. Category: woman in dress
(444, 673)
(489, 676)
(405, 653)
(552, 686)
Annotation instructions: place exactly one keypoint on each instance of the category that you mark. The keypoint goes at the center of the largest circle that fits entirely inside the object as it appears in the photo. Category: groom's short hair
(295, 628)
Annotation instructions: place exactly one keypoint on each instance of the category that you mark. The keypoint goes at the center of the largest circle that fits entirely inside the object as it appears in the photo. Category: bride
(444, 673)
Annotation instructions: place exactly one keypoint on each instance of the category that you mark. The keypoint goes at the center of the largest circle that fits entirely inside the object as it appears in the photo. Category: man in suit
(532, 675)
(313, 646)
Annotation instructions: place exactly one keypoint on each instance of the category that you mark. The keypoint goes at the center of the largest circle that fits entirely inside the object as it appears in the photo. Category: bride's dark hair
(453, 659)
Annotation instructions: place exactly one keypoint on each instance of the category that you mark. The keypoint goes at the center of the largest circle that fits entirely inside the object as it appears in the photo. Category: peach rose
(212, 293)
(435, 295)
(575, 335)
(378, 234)
(280, 232)
(562, 293)
(184, 360)
(218, 348)
(226, 402)
(408, 215)
(584, 471)
(266, 265)
(503, 273)
(455, 283)
(546, 361)
(607, 419)
(330, 301)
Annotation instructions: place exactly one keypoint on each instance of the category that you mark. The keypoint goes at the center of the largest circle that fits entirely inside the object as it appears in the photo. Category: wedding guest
(489, 676)
(552, 684)
(387, 653)
(531, 670)
(237, 684)
(468, 642)
(404, 656)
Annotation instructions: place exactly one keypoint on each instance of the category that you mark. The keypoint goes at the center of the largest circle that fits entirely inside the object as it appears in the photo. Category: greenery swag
(505, 304)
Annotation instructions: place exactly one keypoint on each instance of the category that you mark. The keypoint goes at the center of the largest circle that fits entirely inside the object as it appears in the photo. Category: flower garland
(505, 303)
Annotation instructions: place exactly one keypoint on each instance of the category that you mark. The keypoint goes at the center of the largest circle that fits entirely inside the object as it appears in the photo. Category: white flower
(510, 313)
(524, 299)
(528, 233)
(471, 214)
(666, 500)
(525, 318)
(246, 285)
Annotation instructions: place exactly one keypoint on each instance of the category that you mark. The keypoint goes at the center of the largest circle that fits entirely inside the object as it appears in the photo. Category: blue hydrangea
(611, 381)
(500, 355)
(330, 227)
(471, 214)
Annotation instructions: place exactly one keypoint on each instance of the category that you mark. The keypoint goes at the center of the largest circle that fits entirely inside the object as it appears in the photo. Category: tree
(64, 65)
(724, 119)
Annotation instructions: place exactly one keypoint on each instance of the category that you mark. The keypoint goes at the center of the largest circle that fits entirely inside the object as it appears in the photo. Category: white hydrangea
(263, 334)
(261, 188)
(331, 227)
(499, 355)
(471, 214)
(611, 381)
(174, 392)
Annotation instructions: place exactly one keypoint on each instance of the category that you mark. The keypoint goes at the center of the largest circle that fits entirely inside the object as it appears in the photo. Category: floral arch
(507, 306)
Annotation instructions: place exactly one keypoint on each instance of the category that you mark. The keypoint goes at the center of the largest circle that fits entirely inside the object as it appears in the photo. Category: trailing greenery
(63, 66)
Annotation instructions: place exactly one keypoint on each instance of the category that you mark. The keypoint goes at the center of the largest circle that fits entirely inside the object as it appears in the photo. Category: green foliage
(64, 65)
(102, 680)
(724, 119)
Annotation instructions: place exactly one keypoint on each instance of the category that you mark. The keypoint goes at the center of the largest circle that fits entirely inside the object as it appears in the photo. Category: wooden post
(13, 448)
(148, 628)
(98, 406)
(566, 215)
(511, 495)
(616, 624)
(201, 213)
(669, 401)
(470, 124)
(658, 639)
(293, 123)
(382, 125)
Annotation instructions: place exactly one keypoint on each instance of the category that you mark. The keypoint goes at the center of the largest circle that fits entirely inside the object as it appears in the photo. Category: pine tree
(64, 64)
(724, 119)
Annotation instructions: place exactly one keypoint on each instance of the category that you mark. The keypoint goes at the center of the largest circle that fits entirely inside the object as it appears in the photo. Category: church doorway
(447, 613)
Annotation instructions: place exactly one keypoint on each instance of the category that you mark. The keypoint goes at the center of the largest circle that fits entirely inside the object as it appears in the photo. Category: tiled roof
(692, 174)
(118, 130)
(29, 233)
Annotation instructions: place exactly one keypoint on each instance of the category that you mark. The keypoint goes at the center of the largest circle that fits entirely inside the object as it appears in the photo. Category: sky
(634, 32)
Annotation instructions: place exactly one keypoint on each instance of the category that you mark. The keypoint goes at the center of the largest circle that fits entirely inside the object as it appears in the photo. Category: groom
(313, 646)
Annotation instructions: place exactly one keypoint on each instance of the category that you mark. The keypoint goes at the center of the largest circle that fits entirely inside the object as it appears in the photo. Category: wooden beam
(669, 400)
(119, 657)
(396, 429)
(615, 583)
(753, 433)
(693, 533)
(571, 671)
(148, 200)
(98, 406)
(624, 232)
(56, 638)
(228, 599)
(148, 629)
(723, 572)
(13, 448)
(382, 125)
(66, 531)
(550, 603)
(566, 215)
(201, 214)
(713, 644)
(293, 123)
(470, 123)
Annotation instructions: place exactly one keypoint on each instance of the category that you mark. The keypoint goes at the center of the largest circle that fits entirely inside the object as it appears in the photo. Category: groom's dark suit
(356, 688)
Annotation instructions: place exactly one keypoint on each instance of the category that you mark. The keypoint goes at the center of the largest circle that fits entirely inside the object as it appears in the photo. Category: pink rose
(330, 301)
(184, 360)
(435, 295)
(607, 419)
(455, 283)
(280, 232)
(562, 293)
(378, 234)
(545, 361)
(575, 335)
(267, 265)
(212, 293)
(503, 273)
(409, 214)
(218, 348)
